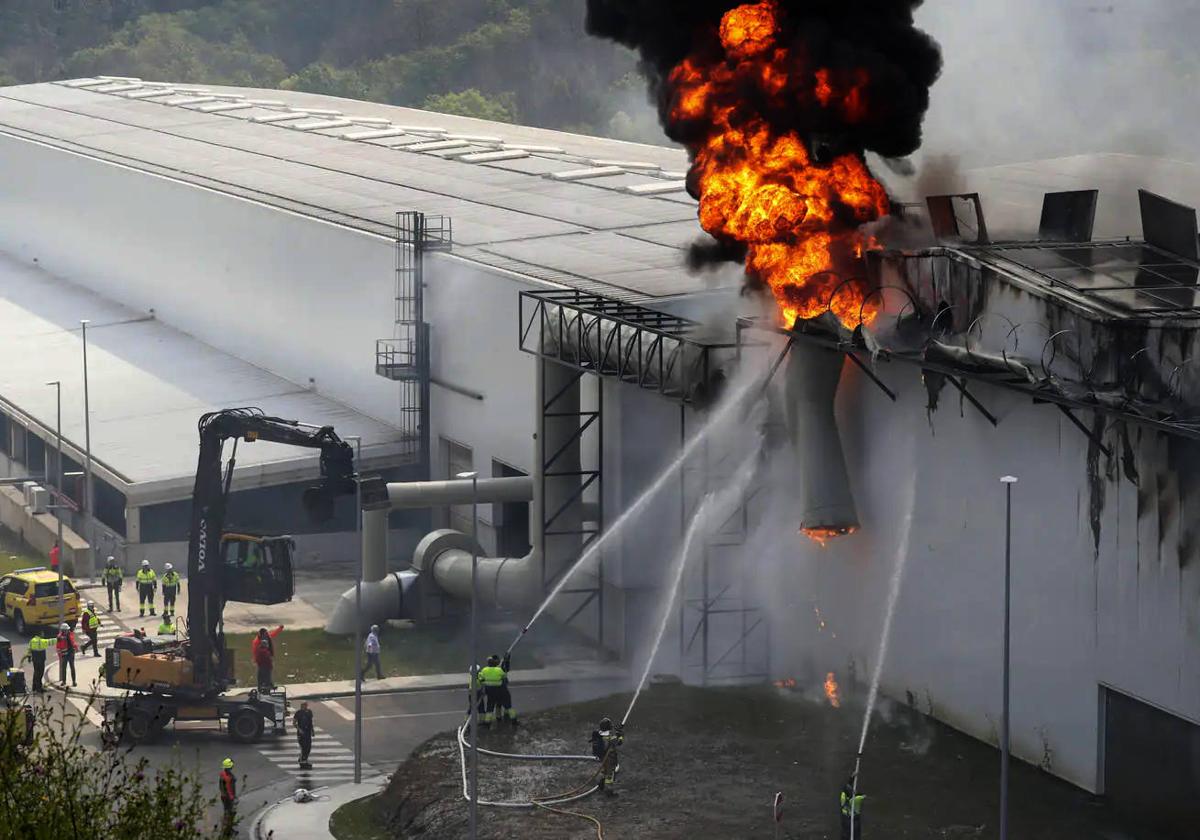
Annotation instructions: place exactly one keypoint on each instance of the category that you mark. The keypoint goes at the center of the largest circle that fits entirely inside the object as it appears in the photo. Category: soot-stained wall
(1105, 586)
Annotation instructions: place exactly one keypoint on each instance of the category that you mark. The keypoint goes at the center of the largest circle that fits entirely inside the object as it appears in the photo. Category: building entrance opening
(1151, 765)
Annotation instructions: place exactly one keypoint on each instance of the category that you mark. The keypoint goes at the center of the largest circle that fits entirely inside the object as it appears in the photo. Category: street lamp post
(474, 808)
(358, 641)
(89, 516)
(1008, 481)
(62, 607)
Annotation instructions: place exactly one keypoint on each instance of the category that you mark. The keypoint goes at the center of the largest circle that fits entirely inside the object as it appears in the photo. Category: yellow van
(29, 598)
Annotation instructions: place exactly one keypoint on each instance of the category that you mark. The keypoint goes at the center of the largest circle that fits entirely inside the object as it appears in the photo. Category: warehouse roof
(601, 215)
(148, 386)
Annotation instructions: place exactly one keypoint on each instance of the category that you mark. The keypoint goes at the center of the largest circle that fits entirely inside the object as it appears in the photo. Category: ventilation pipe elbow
(827, 506)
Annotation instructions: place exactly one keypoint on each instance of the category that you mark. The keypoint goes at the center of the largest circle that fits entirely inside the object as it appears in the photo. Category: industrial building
(468, 296)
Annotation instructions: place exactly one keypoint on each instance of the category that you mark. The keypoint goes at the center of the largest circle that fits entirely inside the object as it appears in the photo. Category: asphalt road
(393, 725)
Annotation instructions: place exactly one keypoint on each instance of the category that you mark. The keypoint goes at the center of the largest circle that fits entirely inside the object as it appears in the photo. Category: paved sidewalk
(290, 820)
(88, 669)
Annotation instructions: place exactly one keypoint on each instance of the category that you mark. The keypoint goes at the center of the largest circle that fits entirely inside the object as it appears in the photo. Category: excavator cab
(257, 569)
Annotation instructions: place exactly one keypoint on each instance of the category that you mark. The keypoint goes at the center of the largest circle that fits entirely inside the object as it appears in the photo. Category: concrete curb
(335, 797)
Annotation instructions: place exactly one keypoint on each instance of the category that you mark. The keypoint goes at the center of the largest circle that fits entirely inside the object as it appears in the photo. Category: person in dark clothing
(67, 648)
(228, 786)
(605, 742)
(303, 721)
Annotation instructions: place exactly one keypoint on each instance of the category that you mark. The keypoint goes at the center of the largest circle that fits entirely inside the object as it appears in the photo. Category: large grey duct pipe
(394, 595)
(519, 581)
(827, 506)
(445, 556)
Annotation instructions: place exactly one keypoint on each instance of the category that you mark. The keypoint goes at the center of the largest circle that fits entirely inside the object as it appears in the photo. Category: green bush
(57, 788)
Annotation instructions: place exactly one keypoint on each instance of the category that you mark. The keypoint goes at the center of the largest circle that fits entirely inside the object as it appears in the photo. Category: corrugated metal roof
(497, 201)
(149, 384)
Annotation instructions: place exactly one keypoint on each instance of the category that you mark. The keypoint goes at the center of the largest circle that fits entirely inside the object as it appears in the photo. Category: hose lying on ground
(544, 802)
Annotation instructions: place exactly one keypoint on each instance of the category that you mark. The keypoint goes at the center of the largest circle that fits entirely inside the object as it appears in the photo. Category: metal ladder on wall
(404, 358)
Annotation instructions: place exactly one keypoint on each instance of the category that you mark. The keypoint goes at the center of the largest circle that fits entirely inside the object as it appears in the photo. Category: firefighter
(147, 582)
(851, 806)
(66, 647)
(228, 785)
(166, 627)
(36, 654)
(89, 622)
(605, 742)
(494, 678)
(170, 588)
(114, 579)
(475, 695)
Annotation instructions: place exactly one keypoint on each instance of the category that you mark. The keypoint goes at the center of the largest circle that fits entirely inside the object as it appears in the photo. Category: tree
(472, 103)
(324, 78)
(57, 788)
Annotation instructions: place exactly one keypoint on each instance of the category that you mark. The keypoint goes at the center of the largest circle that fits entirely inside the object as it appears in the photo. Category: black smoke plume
(846, 36)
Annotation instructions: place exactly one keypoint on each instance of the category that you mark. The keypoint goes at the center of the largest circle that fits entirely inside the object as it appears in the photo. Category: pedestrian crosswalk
(331, 762)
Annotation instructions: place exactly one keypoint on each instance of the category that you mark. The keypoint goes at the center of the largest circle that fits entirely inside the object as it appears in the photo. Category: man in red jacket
(262, 651)
(66, 647)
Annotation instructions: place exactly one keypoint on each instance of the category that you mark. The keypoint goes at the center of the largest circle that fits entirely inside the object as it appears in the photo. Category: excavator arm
(207, 585)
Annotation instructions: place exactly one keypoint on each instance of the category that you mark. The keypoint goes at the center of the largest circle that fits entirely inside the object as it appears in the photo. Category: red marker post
(777, 812)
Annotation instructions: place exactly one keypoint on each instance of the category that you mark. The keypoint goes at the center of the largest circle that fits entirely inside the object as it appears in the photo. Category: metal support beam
(1079, 425)
(962, 389)
(865, 368)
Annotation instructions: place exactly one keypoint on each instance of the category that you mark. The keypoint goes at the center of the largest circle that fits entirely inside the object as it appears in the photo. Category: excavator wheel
(140, 725)
(246, 725)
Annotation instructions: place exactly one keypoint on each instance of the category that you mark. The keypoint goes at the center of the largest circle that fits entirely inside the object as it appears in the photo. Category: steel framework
(559, 525)
(722, 607)
(653, 350)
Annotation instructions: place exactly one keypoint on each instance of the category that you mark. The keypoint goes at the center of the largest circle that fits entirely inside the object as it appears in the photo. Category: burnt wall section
(953, 307)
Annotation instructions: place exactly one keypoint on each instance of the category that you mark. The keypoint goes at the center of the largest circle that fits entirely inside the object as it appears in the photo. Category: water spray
(731, 403)
(716, 502)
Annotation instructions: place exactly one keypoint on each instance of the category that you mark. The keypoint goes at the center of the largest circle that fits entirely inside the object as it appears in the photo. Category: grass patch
(16, 554)
(358, 820)
(312, 655)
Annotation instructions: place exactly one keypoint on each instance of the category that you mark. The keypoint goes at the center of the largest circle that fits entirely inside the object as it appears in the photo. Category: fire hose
(546, 802)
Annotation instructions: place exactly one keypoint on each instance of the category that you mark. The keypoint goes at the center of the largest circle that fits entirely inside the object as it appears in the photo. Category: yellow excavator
(188, 679)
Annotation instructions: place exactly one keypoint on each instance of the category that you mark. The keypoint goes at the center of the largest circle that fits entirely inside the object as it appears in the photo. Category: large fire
(758, 185)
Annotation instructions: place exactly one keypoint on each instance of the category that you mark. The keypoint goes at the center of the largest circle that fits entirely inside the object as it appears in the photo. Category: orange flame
(798, 219)
(821, 536)
(831, 691)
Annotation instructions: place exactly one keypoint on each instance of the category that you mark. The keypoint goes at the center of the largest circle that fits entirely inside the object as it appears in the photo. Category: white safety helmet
(167, 567)
(146, 564)
(374, 628)
(91, 605)
(111, 560)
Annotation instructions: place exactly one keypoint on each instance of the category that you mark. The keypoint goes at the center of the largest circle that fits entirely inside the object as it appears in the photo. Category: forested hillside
(526, 61)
